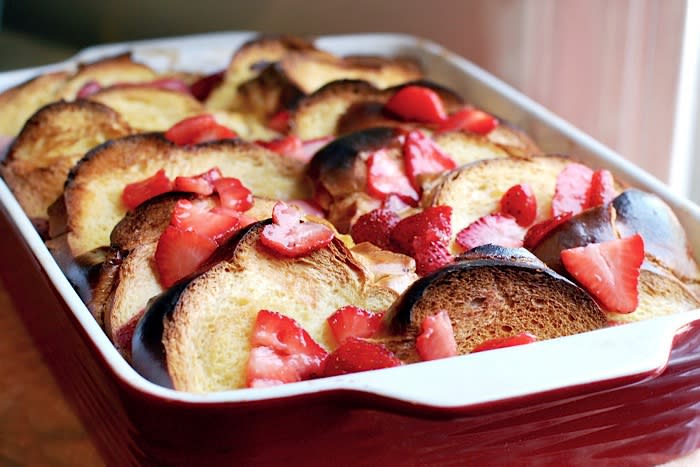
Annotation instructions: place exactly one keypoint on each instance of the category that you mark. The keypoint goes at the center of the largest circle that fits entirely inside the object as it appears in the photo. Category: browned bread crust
(491, 293)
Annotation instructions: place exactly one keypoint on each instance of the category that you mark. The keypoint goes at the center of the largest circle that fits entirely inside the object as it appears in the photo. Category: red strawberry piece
(437, 218)
(88, 89)
(375, 227)
(356, 355)
(431, 252)
(281, 352)
(138, 192)
(168, 84)
(540, 231)
(198, 129)
(202, 184)
(394, 203)
(233, 194)
(497, 229)
(422, 156)
(385, 175)
(609, 271)
(201, 88)
(520, 202)
(571, 191)
(195, 216)
(291, 237)
(437, 339)
(470, 119)
(417, 104)
(501, 342)
(179, 253)
(285, 145)
(279, 121)
(351, 321)
(601, 190)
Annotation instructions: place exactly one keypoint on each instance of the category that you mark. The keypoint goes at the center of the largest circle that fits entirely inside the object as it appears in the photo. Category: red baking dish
(624, 395)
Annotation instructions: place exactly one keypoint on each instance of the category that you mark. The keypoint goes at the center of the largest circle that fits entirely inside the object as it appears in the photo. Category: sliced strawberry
(293, 147)
(291, 237)
(196, 216)
(497, 229)
(169, 84)
(281, 352)
(431, 252)
(417, 104)
(198, 129)
(520, 202)
(138, 192)
(279, 121)
(571, 191)
(422, 156)
(609, 271)
(202, 184)
(437, 218)
(179, 253)
(470, 119)
(602, 189)
(351, 321)
(356, 355)
(394, 203)
(540, 231)
(308, 206)
(437, 338)
(385, 175)
(201, 88)
(233, 194)
(501, 342)
(88, 89)
(375, 227)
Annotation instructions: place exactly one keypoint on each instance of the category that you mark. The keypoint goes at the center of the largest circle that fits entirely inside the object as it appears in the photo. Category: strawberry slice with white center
(520, 202)
(422, 156)
(602, 189)
(470, 119)
(502, 342)
(202, 184)
(417, 104)
(233, 194)
(385, 175)
(136, 193)
(497, 229)
(609, 271)
(437, 338)
(292, 237)
(571, 190)
(351, 321)
(356, 355)
(179, 253)
(196, 216)
(281, 352)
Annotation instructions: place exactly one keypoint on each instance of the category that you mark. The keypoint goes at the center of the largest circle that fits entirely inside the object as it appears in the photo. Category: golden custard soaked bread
(491, 293)
(92, 196)
(204, 326)
(50, 143)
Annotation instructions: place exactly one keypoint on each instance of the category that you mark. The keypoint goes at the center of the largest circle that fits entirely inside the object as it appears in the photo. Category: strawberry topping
(293, 147)
(356, 355)
(417, 104)
(179, 253)
(423, 156)
(195, 216)
(434, 218)
(279, 121)
(520, 202)
(375, 227)
(571, 190)
(501, 342)
(470, 119)
(233, 194)
(88, 89)
(308, 206)
(437, 339)
(281, 352)
(201, 88)
(351, 321)
(602, 189)
(136, 193)
(497, 229)
(385, 175)
(202, 184)
(609, 271)
(198, 129)
(540, 231)
(431, 252)
(292, 237)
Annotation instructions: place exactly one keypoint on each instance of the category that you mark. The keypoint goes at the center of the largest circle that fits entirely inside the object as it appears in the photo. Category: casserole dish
(624, 394)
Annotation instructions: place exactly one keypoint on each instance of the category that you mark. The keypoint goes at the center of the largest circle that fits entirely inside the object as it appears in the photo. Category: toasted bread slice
(248, 62)
(493, 292)
(149, 109)
(21, 102)
(92, 194)
(207, 331)
(50, 143)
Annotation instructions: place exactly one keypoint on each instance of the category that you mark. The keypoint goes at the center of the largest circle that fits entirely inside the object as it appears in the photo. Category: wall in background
(610, 67)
